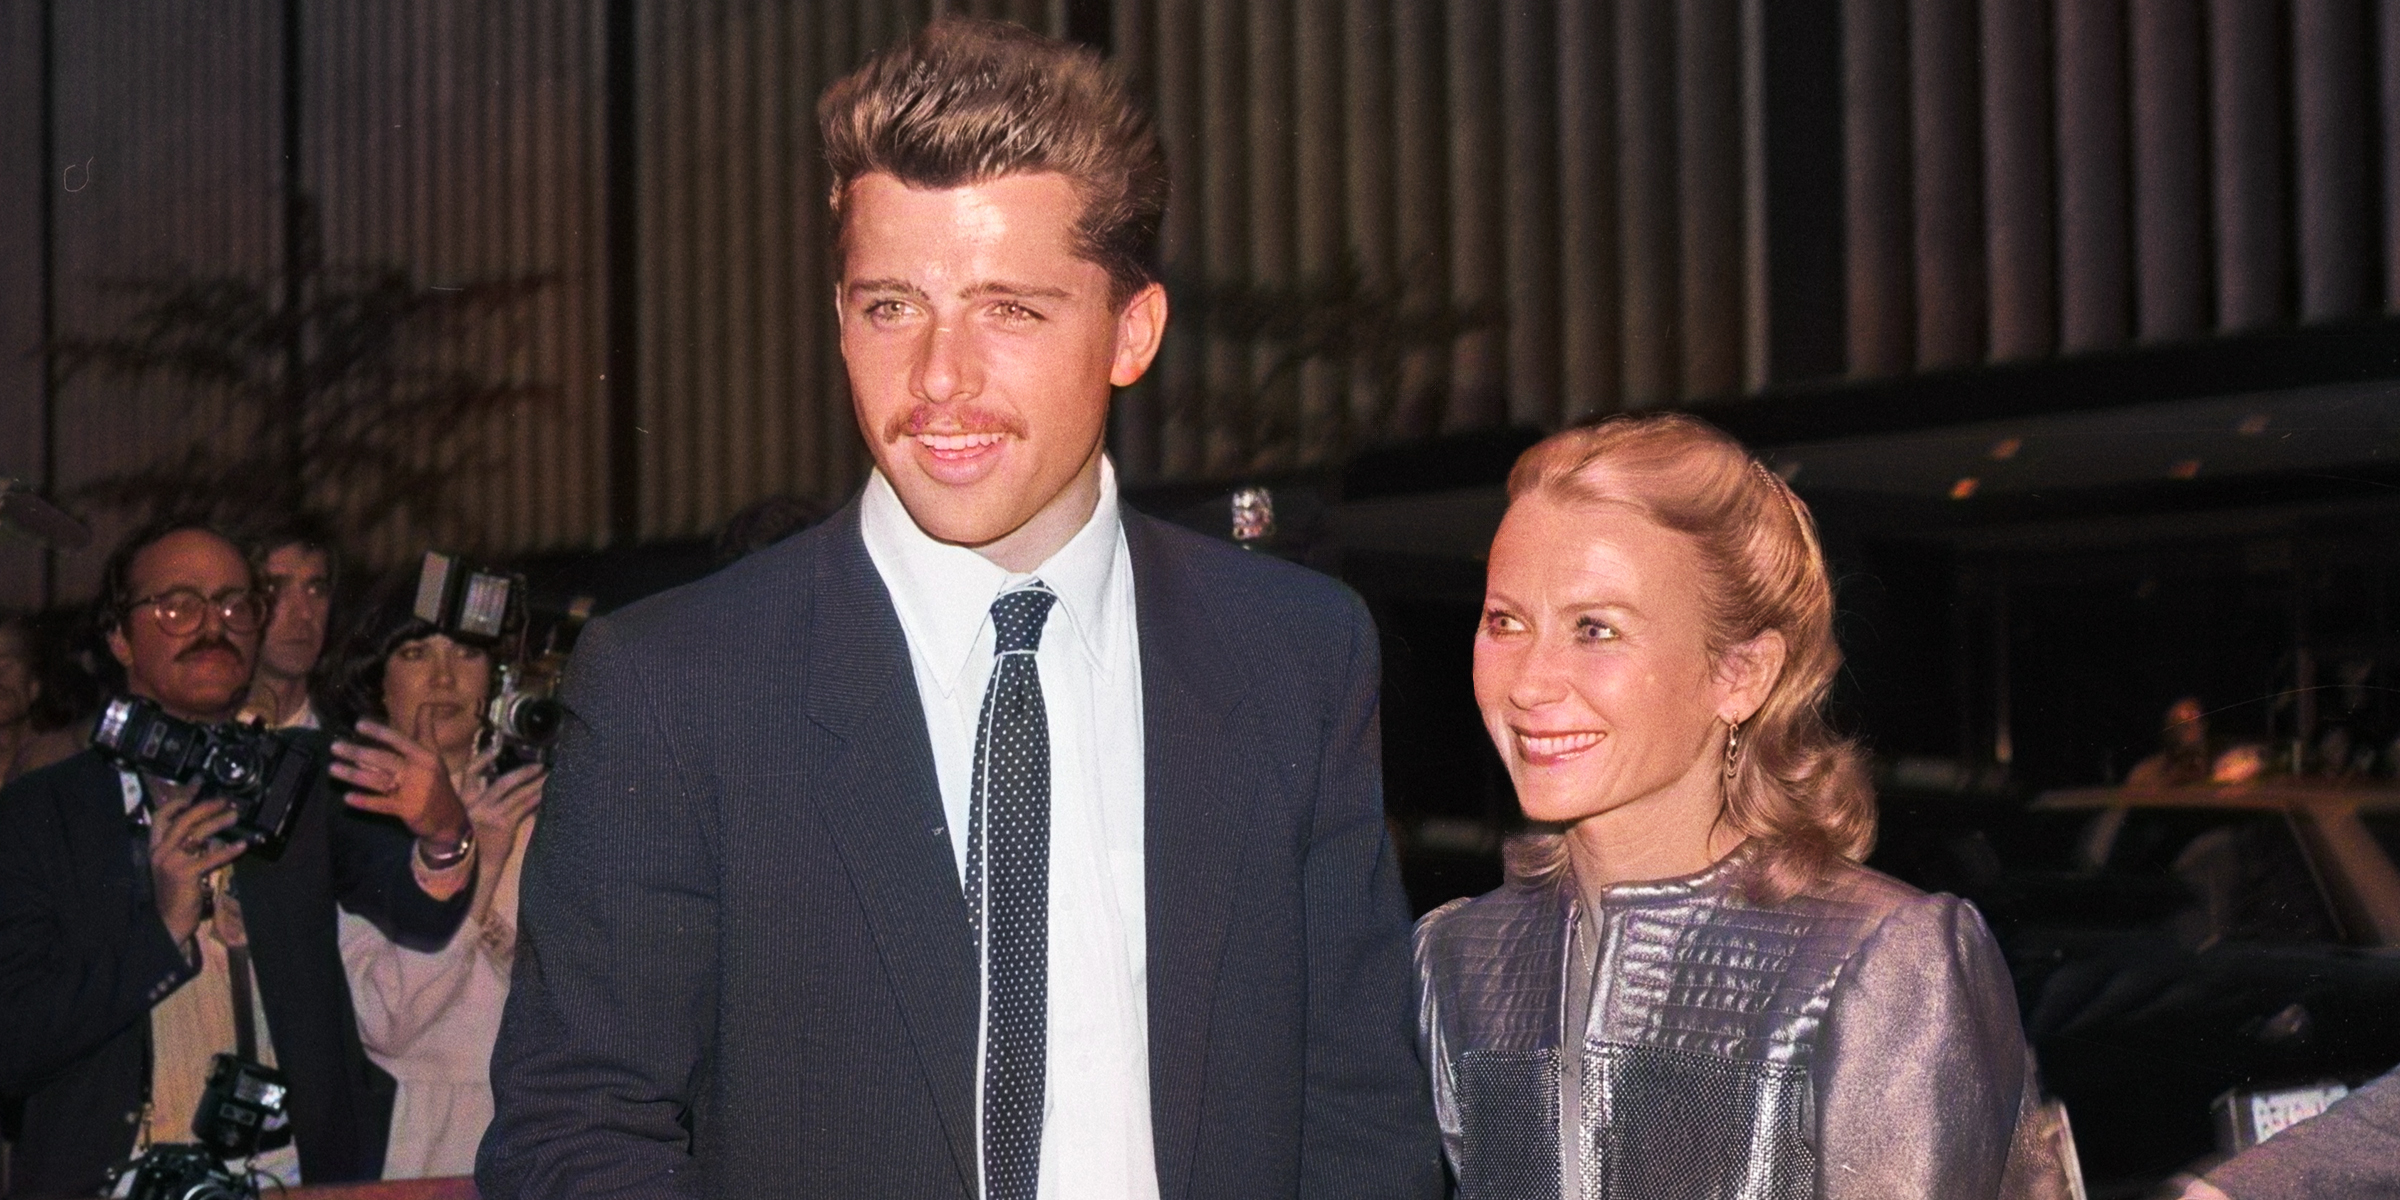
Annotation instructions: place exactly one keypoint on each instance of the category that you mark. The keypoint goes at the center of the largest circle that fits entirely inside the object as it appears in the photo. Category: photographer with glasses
(136, 943)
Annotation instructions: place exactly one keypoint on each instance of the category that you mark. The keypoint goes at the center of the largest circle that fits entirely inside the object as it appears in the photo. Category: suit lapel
(870, 761)
(1198, 802)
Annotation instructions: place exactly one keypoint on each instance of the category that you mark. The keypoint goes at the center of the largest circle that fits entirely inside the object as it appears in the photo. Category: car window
(2247, 876)
(2386, 828)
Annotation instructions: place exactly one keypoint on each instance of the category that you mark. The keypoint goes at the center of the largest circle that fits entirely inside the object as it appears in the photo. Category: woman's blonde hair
(1799, 791)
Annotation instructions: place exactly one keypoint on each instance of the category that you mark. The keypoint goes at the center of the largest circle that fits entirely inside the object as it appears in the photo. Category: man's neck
(180, 713)
(284, 697)
(1031, 544)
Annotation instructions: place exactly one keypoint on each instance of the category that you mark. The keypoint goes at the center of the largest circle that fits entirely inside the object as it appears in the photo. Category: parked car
(2172, 944)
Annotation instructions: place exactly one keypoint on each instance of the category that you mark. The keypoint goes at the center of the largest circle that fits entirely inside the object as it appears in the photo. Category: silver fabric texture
(1858, 1040)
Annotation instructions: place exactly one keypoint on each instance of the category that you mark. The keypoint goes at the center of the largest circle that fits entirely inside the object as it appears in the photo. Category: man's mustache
(204, 645)
(950, 419)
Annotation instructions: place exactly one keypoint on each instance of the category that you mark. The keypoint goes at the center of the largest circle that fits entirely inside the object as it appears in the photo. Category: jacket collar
(870, 762)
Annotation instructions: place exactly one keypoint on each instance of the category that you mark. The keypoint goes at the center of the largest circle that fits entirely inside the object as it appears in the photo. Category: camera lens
(234, 768)
(536, 720)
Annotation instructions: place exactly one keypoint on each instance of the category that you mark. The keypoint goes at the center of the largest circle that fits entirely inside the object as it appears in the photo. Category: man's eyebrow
(869, 287)
(1002, 287)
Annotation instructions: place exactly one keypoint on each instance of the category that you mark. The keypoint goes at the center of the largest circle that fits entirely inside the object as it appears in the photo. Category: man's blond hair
(965, 101)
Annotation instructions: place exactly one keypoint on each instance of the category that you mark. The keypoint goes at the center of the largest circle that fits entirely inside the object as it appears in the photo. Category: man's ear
(1747, 673)
(1141, 326)
(118, 646)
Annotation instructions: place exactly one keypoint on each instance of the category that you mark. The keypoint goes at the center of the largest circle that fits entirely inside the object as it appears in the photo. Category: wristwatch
(458, 853)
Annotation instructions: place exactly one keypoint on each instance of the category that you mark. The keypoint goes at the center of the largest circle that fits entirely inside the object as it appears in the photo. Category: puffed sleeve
(1431, 1042)
(1925, 1087)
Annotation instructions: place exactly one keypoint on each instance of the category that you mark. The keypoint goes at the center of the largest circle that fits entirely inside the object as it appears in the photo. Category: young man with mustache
(988, 839)
(133, 939)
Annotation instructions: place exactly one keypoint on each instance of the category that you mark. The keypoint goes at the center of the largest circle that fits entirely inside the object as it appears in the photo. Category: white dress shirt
(1096, 1142)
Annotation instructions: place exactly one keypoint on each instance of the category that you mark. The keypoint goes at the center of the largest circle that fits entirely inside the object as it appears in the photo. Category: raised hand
(499, 804)
(183, 850)
(401, 776)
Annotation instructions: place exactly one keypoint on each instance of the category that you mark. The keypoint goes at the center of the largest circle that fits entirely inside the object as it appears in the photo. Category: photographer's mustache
(206, 644)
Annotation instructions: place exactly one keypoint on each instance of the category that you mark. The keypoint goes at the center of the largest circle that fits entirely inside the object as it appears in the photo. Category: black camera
(241, 1109)
(266, 774)
(178, 1171)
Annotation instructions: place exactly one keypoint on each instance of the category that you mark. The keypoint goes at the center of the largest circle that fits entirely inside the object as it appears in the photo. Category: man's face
(981, 349)
(18, 686)
(200, 673)
(299, 582)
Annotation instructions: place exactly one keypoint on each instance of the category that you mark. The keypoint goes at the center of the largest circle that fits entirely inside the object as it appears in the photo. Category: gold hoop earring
(1733, 747)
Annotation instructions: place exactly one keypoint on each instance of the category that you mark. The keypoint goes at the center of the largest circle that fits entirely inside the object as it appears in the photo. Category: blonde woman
(1688, 987)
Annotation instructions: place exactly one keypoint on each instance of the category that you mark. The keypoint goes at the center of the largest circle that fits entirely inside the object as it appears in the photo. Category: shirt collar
(944, 593)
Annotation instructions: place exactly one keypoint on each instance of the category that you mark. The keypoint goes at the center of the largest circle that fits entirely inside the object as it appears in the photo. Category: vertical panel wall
(167, 163)
(24, 180)
(1540, 210)
(459, 143)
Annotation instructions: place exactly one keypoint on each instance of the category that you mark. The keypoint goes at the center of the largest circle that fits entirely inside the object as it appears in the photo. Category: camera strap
(245, 1018)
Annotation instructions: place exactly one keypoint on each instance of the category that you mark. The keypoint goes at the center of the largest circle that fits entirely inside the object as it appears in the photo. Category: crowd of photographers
(257, 863)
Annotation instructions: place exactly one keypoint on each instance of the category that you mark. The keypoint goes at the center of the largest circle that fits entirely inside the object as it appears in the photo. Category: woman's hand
(401, 776)
(499, 804)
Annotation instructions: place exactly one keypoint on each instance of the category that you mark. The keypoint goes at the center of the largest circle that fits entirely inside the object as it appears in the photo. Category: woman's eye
(1497, 622)
(1591, 630)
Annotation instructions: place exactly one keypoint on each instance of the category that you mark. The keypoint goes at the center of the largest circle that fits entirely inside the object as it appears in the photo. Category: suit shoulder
(1269, 586)
(67, 774)
(1503, 915)
(46, 788)
(727, 608)
(1900, 917)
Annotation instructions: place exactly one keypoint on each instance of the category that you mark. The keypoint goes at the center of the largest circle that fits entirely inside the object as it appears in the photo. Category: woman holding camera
(1688, 987)
(430, 1019)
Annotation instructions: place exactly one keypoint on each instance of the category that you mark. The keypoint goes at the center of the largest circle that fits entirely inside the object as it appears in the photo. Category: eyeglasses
(180, 610)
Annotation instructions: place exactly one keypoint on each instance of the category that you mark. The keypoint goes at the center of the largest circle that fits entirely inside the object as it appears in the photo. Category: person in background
(1690, 988)
(762, 523)
(132, 939)
(2182, 756)
(20, 688)
(429, 1018)
(62, 692)
(294, 560)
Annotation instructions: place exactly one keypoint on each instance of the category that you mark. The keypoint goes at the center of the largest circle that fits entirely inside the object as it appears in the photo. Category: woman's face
(1592, 666)
(433, 689)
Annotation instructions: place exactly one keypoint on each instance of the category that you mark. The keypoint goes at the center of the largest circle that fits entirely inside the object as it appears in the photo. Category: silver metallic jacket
(1858, 1040)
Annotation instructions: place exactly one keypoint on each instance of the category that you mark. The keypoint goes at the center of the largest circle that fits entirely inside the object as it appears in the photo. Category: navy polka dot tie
(1008, 893)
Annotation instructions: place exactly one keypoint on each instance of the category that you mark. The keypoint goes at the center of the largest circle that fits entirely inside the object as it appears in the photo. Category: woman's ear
(1747, 673)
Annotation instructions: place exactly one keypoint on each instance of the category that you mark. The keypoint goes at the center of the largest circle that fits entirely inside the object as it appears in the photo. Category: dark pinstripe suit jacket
(746, 969)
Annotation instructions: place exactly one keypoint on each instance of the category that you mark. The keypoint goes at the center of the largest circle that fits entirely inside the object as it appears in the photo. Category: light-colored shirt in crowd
(1096, 1137)
(196, 1021)
(430, 1020)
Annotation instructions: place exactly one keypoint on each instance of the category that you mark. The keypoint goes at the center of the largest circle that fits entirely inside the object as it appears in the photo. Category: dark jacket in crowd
(2351, 1150)
(746, 967)
(84, 956)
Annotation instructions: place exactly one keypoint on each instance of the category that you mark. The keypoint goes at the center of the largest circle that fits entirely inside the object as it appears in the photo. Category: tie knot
(1017, 618)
